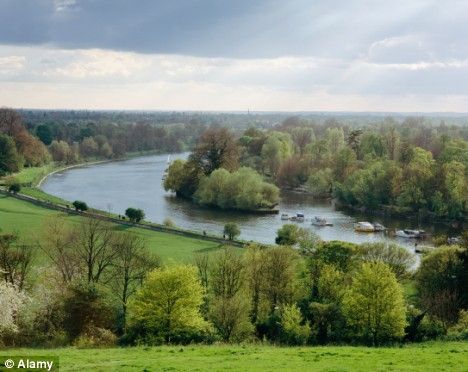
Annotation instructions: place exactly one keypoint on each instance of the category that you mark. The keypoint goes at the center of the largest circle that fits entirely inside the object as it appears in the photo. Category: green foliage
(277, 148)
(289, 234)
(399, 259)
(14, 188)
(135, 215)
(231, 230)
(293, 329)
(86, 307)
(320, 182)
(169, 302)
(374, 304)
(80, 205)
(10, 160)
(243, 189)
(441, 283)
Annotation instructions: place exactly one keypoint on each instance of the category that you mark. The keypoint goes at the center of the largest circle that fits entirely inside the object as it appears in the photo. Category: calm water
(137, 183)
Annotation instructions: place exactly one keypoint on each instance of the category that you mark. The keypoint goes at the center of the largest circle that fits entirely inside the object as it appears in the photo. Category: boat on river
(285, 216)
(319, 221)
(364, 226)
(379, 227)
(410, 234)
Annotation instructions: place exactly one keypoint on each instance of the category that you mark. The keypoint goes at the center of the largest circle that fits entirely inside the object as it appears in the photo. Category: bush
(168, 222)
(135, 215)
(94, 337)
(293, 331)
(14, 188)
(459, 331)
(80, 205)
(231, 230)
(86, 307)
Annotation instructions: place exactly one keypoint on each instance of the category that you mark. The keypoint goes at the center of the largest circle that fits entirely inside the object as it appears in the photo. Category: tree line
(401, 168)
(37, 141)
(99, 286)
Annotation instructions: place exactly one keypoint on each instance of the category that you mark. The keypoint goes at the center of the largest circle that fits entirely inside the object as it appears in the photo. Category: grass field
(437, 356)
(28, 220)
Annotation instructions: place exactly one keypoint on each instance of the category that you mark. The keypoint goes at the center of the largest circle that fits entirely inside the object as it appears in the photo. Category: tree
(216, 148)
(183, 178)
(85, 308)
(280, 282)
(255, 272)
(135, 215)
(44, 133)
(15, 260)
(441, 283)
(95, 248)
(231, 230)
(14, 188)
(89, 147)
(229, 307)
(10, 160)
(243, 189)
(80, 205)
(293, 328)
(60, 151)
(289, 234)
(58, 244)
(130, 266)
(276, 149)
(399, 259)
(169, 302)
(320, 183)
(374, 304)
(12, 302)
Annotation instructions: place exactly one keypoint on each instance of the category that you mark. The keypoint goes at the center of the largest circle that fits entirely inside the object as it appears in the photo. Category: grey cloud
(240, 29)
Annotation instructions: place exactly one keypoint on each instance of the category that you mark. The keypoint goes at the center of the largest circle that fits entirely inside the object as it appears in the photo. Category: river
(137, 182)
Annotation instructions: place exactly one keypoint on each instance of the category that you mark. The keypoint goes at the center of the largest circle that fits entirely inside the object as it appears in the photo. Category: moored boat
(319, 221)
(300, 217)
(364, 226)
(409, 234)
(285, 216)
(379, 227)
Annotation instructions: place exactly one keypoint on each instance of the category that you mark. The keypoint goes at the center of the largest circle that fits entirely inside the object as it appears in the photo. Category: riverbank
(28, 220)
(113, 219)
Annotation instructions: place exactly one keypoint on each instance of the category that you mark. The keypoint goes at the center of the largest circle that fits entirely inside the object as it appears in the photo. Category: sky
(225, 55)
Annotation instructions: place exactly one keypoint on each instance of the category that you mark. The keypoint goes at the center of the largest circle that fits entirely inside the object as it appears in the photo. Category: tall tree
(169, 302)
(374, 304)
(216, 148)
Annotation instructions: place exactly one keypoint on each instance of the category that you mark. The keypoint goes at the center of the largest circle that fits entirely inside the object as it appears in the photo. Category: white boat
(364, 227)
(319, 221)
(379, 227)
(285, 216)
(408, 234)
(300, 217)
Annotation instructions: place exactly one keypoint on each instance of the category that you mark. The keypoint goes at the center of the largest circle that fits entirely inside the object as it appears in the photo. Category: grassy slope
(28, 219)
(449, 356)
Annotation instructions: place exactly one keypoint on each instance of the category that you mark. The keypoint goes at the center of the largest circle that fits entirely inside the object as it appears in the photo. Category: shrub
(293, 329)
(231, 230)
(14, 188)
(168, 222)
(135, 215)
(80, 205)
(94, 337)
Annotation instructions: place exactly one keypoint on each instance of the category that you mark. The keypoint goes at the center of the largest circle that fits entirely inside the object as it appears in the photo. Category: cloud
(262, 54)
(11, 64)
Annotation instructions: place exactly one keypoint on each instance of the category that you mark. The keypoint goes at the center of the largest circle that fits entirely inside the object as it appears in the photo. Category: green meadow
(434, 356)
(28, 221)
